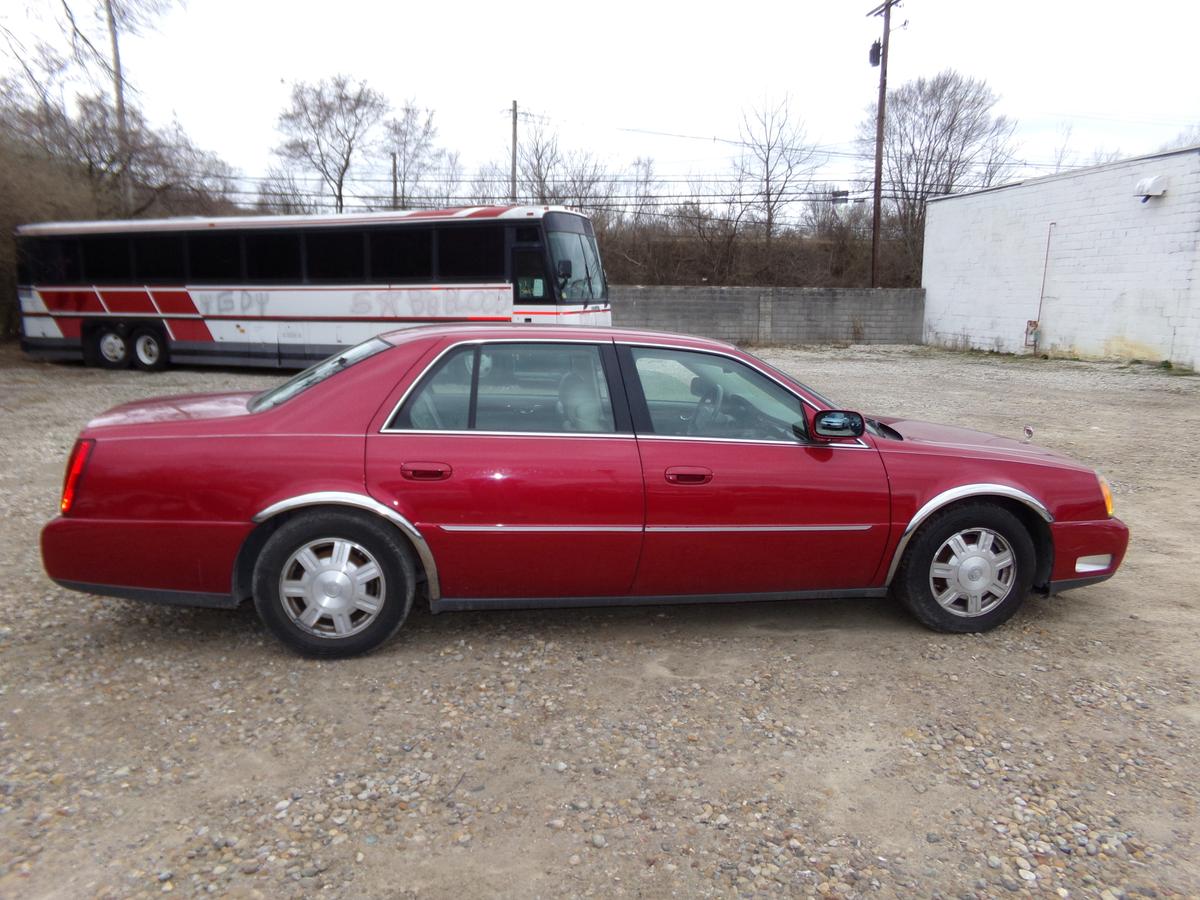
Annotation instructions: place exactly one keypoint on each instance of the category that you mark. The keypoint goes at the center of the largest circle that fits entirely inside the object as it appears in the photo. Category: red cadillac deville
(527, 466)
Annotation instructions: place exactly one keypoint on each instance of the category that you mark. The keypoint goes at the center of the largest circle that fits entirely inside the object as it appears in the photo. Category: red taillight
(79, 458)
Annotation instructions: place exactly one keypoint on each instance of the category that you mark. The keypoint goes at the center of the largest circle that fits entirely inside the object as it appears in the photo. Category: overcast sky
(1122, 76)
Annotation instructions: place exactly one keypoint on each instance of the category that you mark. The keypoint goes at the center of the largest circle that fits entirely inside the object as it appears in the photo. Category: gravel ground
(809, 748)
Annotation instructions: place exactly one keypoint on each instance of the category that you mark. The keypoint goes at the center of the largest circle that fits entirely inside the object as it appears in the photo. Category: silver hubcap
(972, 572)
(332, 588)
(146, 347)
(112, 347)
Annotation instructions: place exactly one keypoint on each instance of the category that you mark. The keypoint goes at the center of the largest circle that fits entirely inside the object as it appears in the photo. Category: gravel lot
(811, 748)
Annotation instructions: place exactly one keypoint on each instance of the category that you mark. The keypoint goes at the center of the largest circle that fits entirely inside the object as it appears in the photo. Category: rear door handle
(425, 471)
(688, 475)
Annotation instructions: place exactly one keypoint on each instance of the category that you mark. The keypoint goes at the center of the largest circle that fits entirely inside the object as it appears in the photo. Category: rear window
(327, 368)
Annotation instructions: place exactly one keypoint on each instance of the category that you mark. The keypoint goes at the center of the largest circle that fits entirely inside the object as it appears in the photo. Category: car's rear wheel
(149, 349)
(967, 569)
(334, 584)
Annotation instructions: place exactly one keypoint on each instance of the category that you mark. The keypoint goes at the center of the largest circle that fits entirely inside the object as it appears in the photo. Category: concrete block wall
(745, 315)
(1104, 274)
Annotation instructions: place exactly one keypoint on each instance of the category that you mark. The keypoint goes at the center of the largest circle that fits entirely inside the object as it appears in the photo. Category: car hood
(175, 409)
(967, 440)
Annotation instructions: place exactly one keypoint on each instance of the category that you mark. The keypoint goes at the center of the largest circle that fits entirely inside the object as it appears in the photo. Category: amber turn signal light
(79, 458)
(1107, 492)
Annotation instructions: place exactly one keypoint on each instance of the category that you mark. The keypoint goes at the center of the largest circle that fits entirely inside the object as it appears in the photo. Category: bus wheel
(149, 349)
(110, 347)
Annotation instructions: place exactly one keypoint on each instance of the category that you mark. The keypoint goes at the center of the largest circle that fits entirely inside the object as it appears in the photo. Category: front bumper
(1086, 552)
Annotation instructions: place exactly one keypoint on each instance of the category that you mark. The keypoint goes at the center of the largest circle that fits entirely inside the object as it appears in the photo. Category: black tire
(376, 541)
(914, 581)
(109, 347)
(149, 349)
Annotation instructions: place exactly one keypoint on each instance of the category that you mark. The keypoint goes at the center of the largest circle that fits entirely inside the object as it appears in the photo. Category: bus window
(273, 256)
(158, 258)
(106, 260)
(529, 276)
(54, 261)
(335, 255)
(471, 254)
(215, 258)
(401, 254)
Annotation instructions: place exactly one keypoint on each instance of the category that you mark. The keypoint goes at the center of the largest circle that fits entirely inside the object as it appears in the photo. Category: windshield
(327, 368)
(578, 251)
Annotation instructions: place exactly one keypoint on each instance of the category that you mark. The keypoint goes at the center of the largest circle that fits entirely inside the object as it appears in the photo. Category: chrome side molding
(960, 493)
(371, 505)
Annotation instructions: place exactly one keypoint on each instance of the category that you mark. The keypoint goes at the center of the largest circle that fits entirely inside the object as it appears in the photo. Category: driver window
(702, 395)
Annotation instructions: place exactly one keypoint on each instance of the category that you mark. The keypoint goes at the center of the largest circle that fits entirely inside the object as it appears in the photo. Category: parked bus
(287, 290)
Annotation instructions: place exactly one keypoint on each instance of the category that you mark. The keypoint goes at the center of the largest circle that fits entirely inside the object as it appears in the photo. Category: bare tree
(282, 193)
(1189, 137)
(941, 137)
(410, 139)
(327, 125)
(81, 21)
(489, 186)
(448, 180)
(776, 165)
(539, 166)
(645, 190)
(1063, 155)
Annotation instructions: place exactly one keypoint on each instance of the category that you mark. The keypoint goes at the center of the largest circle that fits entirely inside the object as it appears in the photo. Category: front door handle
(688, 475)
(425, 471)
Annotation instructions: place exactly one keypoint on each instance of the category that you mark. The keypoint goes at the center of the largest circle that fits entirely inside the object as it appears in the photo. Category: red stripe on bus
(189, 330)
(488, 212)
(68, 326)
(557, 312)
(72, 300)
(175, 302)
(127, 301)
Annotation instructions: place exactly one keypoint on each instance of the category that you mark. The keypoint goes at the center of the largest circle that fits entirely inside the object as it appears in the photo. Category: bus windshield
(585, 280)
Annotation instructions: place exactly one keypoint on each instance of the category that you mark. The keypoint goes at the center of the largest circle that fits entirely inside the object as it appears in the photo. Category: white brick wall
(1122, 277)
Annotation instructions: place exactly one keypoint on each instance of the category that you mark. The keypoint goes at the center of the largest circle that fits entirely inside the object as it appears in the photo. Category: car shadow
(228, 630)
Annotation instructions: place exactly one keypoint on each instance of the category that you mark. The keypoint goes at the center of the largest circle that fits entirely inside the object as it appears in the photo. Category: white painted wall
(1122, 277)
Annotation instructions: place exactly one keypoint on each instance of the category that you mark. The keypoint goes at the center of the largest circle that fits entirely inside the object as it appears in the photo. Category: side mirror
(830, 424)
(563, 269)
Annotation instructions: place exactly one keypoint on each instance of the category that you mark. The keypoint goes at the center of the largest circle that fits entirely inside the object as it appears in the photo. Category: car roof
(519, 331)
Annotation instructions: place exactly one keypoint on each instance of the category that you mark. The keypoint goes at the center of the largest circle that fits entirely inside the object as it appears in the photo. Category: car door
(516, 461)
(735, 501)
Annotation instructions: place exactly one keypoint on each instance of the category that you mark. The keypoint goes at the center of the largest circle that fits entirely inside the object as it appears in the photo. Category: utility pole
(512, 185)
(885, 10)
(395, 184)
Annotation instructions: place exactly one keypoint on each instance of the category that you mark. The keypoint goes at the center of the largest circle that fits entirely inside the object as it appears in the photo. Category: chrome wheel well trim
(367, 504)
(962, 492)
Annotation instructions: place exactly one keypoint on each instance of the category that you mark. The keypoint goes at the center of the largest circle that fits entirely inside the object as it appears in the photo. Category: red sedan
(485, 467)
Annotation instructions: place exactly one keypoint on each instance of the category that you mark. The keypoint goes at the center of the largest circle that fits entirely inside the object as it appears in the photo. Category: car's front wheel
(333, 583)
(967, 569)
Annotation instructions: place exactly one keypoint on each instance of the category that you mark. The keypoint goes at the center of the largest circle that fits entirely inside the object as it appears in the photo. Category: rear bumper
(182, 563)
(153, 595)
(1086, 552)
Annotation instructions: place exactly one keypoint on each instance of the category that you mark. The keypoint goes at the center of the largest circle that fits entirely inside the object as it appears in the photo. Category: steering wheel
(708, 407)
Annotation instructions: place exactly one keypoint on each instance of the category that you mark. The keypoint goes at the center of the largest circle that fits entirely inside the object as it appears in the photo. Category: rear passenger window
(536, 387)
(471, 254)
(442, 400)
(542, 387)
